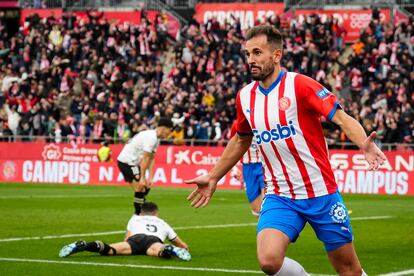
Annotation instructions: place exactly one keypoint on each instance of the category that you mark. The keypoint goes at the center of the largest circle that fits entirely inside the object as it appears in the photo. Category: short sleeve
(171, 235)
(150, 143)
(316, 97)
(242, 124)
(233, 130)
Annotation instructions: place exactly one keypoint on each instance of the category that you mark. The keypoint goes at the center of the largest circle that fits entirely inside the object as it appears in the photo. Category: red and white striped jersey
(285, 121)
(252, 155)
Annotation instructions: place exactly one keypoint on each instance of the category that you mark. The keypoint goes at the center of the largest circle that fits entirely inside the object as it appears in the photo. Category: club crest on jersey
(284, 103)
(323, 93)
(278, 133)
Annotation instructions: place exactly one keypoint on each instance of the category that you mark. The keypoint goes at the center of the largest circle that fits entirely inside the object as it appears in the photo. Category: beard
(262, 73)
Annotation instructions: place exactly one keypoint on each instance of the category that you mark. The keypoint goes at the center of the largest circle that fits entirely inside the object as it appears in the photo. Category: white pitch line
(369, 218)
(405, 272)
(58, 196)
(120, 232)
(176, 228)
(61, 236)
(134, 266)
(215, 226)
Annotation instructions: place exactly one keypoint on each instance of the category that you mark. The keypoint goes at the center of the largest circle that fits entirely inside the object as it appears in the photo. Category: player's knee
(270, 268)
(256, 209)
(270, 264)
(138, 187)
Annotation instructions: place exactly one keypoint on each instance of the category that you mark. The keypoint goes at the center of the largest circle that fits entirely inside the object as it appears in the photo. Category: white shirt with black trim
(144, 141)
(152, 226)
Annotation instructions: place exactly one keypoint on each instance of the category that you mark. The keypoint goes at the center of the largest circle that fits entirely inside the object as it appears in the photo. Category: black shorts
(140, 243)
(130, 173)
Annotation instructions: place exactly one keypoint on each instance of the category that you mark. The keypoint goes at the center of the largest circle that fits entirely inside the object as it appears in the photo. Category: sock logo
(278, 133)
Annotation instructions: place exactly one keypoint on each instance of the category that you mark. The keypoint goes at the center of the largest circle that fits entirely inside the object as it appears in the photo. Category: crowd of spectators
(93, 80)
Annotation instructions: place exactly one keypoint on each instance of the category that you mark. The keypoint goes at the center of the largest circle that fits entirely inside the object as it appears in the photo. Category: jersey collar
(273, 85)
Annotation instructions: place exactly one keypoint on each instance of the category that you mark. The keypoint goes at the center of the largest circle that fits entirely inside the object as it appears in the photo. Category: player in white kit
(137, 157)
(145, 235)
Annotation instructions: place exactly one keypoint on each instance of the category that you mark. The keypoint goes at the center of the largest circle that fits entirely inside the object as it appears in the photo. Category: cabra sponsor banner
(353, 20)
(248, 13)
(78, 164)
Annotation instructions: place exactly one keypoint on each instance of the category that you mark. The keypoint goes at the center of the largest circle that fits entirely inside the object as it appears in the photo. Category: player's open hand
(205, 189)
(373, 154)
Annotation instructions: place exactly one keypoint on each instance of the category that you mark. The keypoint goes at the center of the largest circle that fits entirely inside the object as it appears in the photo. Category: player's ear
(277, 55)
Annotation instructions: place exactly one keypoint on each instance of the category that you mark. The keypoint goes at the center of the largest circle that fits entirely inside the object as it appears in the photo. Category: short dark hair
(149, 208)
(272, 34)
(165, 122)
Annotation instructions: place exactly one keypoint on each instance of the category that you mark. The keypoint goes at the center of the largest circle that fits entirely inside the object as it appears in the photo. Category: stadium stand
(93, 80)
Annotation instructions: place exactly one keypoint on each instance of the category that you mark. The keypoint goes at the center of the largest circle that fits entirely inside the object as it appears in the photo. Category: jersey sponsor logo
(278, 133)
(284, 103)
(323, 93)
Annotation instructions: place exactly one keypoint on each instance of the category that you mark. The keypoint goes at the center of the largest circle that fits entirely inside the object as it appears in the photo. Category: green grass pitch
(383, 228)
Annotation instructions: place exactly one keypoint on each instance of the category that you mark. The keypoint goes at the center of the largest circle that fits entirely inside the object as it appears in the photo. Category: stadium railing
(187, 142)
(189, 4)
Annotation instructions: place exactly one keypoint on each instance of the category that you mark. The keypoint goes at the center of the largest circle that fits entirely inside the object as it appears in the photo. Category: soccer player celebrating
(146, 234)
(282, 110)
(137, 157)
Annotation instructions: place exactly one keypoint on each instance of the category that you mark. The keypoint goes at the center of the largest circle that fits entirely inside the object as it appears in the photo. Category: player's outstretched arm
(355, 132)
(206, 184)
(180, 243)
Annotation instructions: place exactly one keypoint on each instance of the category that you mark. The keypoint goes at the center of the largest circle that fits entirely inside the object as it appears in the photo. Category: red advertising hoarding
(9, 4)
(396, 177)
(78, 164)
(400, 17)
(248, 13)
(118, 17)
(353, 20)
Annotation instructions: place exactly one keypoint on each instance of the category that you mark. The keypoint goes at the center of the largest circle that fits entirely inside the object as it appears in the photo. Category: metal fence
(187, 142)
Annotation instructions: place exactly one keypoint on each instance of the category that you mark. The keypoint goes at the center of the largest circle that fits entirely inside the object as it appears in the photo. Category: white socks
(291, 268)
